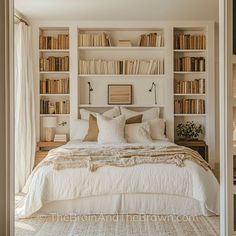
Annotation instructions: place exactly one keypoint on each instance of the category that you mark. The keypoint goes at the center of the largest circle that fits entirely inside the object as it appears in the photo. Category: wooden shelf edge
(50, 144)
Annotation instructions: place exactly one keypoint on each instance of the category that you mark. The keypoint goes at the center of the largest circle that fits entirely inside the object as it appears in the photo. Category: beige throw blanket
(94, 158)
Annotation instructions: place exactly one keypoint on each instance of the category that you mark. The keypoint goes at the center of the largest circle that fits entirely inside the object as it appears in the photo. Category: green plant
(189, 130)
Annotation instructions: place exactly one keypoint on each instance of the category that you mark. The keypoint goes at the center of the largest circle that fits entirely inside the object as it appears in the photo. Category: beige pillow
(134, 119)
(93, 130)
(111, 130)
(92, 134)
(157, 128)
(111, 113)
(138, 133)
(149, 114)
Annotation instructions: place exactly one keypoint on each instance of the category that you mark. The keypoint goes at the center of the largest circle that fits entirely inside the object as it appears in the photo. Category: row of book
(189, 41)
(52, 107)
(54, 86)
(50, 42)
(151, 40)
(191, 87)
(190, 64)
(130, 67)
(54, 63)
(189, 106)
(94, 40)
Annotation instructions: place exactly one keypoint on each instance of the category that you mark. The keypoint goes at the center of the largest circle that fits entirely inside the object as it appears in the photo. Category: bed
(150, 188)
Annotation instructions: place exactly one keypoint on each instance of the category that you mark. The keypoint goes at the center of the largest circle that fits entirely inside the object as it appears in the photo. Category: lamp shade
(49, 122)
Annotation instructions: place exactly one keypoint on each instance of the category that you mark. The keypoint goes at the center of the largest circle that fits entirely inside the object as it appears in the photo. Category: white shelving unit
(52, 75)
(142, 99)
(209, 116)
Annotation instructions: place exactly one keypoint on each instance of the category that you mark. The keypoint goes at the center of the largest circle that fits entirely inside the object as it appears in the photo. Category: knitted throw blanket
(94, 158)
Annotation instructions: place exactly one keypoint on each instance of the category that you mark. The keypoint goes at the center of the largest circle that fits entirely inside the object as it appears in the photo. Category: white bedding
(191, 181)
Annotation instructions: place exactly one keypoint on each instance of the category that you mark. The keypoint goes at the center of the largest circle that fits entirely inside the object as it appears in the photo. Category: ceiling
(90, 10)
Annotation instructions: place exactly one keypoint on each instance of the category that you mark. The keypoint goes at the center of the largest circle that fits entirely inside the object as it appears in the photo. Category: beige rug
(129, 225)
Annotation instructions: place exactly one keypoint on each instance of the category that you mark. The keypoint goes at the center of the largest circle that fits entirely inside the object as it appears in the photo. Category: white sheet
(191, 181)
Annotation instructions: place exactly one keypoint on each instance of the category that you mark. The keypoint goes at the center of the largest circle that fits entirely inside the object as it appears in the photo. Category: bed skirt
(159, 204)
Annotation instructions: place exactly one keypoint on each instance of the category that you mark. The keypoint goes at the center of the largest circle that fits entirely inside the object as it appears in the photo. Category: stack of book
(194, 86)
(94, 40)
(99, 67)
(190, 64)
(151, 40)
(143, 67)
(51, 107)
(54, 63)
(189, 106)
(189, 41)
(60, 138)
(126, 67)
(49, 42)
(54, 86)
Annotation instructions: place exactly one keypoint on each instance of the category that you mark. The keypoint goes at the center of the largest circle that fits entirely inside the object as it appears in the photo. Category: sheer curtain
(25, 137)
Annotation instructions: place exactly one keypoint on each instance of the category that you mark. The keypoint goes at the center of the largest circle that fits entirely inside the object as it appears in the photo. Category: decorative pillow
(138, 133)
(114, 112)
(134, 119)
(111, 130)
(80, 129)
(147, 115)
(157, 128)
(92, 134)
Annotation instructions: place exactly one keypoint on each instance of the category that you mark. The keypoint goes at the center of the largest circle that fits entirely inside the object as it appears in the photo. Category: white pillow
(80, 129)
(111, 130)
(147, 115)
(113, 112)
(157, 128)
(138, 133)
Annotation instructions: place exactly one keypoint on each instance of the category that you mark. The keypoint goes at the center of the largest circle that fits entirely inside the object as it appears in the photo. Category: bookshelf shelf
(190, 115)
(190, 50)
(114, 48)
(52, 115)
(54, 72)
(133, 105)
(54, 50)
(189, 94)
(121, 76)
(55, 94)
(189, 72)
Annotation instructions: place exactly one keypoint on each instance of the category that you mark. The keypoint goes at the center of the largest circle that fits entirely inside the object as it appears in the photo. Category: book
(54, 107)
(49, 42)
(94, 40)
(53, 63)
(126, 67)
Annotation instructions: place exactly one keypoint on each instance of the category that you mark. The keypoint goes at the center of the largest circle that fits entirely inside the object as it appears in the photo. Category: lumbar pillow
(138, 133)
(157, 128)
(114, 112)
(147, 115)
(111, 130)
(92, 134)
(134, 119)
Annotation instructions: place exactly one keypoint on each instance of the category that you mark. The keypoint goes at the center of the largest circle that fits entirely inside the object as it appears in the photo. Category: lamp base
(48, 134)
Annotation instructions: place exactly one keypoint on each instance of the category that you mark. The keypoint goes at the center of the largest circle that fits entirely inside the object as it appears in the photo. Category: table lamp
(49, 123)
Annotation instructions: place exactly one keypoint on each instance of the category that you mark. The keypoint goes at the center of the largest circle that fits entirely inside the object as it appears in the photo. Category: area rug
(118, 225)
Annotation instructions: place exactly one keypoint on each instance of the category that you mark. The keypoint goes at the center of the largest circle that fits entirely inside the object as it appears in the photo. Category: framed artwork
(119, 94)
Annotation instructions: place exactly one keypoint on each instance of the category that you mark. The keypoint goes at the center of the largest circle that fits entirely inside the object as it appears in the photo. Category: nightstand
(198, 145)
(43, 148)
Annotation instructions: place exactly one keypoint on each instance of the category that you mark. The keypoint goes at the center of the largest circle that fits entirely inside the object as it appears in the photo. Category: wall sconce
(63, 123)
(90, 90)
(155, 91)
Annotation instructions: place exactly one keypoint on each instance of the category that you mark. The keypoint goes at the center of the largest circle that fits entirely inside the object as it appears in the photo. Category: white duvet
(191, 181)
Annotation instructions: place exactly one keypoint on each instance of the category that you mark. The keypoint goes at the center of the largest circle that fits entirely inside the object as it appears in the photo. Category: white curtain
(25, 137)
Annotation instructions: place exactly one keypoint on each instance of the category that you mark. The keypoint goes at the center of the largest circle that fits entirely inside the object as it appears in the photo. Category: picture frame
(120, 94)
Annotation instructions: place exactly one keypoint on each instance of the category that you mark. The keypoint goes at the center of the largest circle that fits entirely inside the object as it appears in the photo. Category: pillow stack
(122, 125)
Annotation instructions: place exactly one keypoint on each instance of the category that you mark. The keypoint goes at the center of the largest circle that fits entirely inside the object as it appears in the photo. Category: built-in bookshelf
(54, 77)
(191, 79)
(120, 55)
(175, 56)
